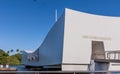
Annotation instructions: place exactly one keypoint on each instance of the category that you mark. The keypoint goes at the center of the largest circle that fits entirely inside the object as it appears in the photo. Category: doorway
(98, 51)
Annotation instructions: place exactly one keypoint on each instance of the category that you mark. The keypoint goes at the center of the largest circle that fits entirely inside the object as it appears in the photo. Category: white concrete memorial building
(79, 41)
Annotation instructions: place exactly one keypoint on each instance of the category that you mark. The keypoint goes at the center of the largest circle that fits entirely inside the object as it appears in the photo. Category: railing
(110, 56)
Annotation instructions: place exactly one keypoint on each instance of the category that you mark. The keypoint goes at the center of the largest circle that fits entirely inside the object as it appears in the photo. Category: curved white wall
(81, 28)
(50, 51)
(69, 40)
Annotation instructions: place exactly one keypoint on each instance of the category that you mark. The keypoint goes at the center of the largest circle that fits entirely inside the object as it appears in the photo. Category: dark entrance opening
(98, 51)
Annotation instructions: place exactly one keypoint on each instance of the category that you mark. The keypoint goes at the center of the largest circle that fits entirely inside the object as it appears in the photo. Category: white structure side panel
(81, 29)
(50, 51)
(74, 67)
(114, 67)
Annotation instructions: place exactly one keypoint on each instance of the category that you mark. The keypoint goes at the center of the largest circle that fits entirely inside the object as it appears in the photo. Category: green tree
(17, 50)
(18, 56)
(11, 50)
(5, 54)
(14, 60)
(8, 52)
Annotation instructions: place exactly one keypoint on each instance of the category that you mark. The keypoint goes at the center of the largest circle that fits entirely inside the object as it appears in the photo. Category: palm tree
(11, 50)
(17, 50)
(8, 52)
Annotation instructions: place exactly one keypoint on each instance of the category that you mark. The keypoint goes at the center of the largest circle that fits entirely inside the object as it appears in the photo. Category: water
(19, 67)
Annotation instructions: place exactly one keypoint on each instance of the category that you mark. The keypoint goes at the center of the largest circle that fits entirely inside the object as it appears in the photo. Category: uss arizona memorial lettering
(96, 37)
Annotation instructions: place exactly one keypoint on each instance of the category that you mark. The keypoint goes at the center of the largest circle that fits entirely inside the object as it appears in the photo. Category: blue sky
(25, 23)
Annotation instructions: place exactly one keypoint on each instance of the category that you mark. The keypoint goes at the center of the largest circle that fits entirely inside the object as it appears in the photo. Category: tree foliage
(12, 60)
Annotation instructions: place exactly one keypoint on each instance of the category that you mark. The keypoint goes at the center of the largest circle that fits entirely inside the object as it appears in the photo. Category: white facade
(69, 42)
